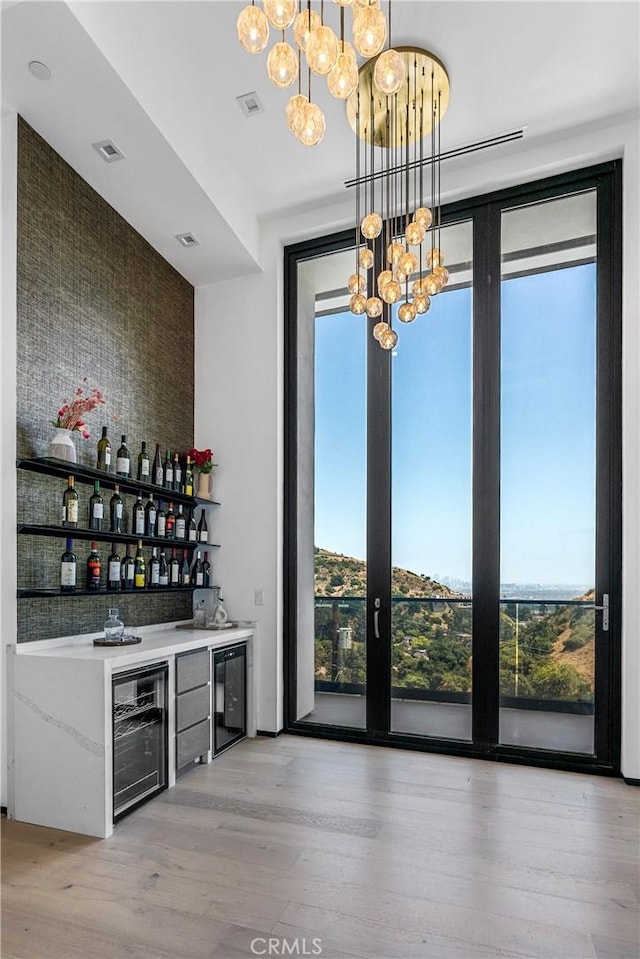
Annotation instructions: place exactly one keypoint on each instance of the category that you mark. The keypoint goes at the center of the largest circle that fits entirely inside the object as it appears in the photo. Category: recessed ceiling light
(40, 70)
(108, 151)
(249, 104)
(187, 239)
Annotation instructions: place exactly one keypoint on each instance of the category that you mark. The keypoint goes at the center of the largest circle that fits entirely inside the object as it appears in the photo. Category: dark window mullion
(486, 475)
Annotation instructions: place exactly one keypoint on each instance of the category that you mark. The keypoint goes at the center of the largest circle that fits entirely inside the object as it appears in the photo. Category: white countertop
(157, 642)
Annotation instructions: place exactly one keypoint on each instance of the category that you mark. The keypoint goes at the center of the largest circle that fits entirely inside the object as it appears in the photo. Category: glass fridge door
(139, 736)
(229, 692)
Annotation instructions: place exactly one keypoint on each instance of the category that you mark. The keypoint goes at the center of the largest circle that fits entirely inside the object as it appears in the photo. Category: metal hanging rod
(447, 155)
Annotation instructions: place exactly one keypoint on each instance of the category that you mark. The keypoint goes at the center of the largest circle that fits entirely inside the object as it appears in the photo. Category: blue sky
(547, 434)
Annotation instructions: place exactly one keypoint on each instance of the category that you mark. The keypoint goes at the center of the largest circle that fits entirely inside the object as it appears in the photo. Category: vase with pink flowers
(71, 419)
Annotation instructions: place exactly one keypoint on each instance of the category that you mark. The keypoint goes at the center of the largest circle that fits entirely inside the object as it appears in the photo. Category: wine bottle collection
(123, 572)
(155, 519)
(171, 473)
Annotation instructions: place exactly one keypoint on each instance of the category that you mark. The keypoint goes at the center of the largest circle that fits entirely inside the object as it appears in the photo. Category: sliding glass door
(452, 571)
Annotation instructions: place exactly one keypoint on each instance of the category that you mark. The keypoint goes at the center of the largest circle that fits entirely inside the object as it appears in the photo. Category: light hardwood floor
(351, 850)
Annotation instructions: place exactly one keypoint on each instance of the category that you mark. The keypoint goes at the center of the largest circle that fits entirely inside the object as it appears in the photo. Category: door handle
(376, 618)
(605, 612)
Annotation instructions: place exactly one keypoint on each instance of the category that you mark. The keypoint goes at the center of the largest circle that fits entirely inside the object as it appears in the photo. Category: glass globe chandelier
(400, 100)
(326, 51)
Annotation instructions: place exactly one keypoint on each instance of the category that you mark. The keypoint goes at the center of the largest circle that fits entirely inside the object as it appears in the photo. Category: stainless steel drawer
(192, 743)
(192, 707)
(192, 669)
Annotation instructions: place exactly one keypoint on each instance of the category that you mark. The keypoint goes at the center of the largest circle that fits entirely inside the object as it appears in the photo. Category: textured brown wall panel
(95, 300)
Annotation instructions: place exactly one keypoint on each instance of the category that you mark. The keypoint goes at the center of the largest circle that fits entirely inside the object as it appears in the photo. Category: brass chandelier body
(397, 205)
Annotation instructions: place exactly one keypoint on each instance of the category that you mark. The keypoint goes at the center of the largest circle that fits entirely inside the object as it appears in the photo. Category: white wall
(239, 374)
(8, 579)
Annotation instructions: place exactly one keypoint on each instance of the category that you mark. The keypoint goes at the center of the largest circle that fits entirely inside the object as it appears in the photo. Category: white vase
(204, 486)
(62, 446)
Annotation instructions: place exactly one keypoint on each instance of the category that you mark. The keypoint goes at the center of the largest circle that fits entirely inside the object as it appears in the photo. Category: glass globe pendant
(414, 234)
(421, 302)
(388, 339)
(383, 278)
(389, 73)
(343, 78)
(253, 29)
(378, 329)
(295, 112)
(322, 50)
(313, 126)
(371, 226)
(280, 13)
(408, 263)
(365, 258)
(356, 283)
(343, 3)
(434, 258)
(431, 285)
(302, 29)
(407, 313)
(374, 306)
(424, 217)
(443, 273)
(358, 304)
(282, 64)
(394, 252)
(369, 31)
(391, 292)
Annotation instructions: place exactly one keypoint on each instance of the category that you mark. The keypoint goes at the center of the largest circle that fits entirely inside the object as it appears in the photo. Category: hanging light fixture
(401, 98)
(327, 53)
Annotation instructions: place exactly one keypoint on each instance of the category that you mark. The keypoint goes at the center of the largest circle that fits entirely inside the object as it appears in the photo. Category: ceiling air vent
(187, 239)
(249, 104)
(108, 151)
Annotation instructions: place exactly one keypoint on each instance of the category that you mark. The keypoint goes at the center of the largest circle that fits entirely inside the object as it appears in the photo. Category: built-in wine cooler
(229, 696)
(139, 736)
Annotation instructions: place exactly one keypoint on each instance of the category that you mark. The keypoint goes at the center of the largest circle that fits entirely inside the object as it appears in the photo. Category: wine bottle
(103, 461)
(139, 569)
(123, 459)
(157, 467)
(116, 510)
(163, 575)
(138, 519)
(171, 523)
(197, 571)
(114, 568)
(181, 524)
(206, 569)
(154, 569)
(128, 569)
(144, 465)
(167, 472)
(192, 532)
(68, 568)
(151, 516)
(177, 474)
(96, 508)
(203, 529)
(188, 477)
(174, 569)
(161, 521)
(185, 572)
(70, 504)
(94, 568)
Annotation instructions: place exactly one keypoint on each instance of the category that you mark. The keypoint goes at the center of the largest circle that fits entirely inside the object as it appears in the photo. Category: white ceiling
(160, 78)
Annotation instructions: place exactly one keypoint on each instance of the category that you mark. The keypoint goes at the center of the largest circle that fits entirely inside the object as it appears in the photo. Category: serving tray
(125, 641)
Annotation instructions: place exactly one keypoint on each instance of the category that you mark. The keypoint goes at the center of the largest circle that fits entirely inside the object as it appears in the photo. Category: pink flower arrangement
(72, 413)
(202, 459)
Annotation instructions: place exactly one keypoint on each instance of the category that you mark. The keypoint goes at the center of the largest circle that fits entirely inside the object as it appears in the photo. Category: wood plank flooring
(338, 850)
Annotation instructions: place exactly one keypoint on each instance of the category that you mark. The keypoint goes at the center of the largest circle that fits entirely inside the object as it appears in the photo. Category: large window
(453, 530)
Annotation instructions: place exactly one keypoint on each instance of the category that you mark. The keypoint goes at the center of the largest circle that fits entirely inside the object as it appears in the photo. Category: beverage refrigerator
(140, 718)
(229, 696)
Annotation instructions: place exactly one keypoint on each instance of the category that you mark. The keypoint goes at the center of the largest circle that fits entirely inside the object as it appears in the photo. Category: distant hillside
(338, 575)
